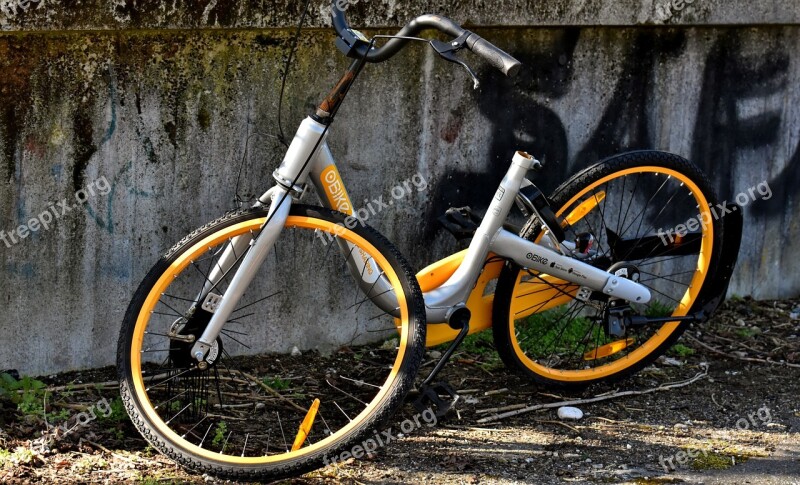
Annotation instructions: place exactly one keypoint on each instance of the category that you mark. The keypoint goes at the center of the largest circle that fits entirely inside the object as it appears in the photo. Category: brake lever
(448, 53)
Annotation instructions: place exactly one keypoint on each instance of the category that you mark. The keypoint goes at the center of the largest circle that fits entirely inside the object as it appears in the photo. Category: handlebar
(354, 45)
(493, 55)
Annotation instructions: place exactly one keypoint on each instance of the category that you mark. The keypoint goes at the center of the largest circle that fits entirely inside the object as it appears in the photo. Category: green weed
(219, 434)
(118, 413)
(276, 383)
(27, 393)
(681, 350)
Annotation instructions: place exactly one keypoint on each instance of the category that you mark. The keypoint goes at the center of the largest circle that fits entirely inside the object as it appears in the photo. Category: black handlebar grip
(493, 55)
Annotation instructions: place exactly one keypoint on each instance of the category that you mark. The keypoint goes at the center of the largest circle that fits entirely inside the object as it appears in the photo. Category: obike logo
(536, 258)
(334, 189)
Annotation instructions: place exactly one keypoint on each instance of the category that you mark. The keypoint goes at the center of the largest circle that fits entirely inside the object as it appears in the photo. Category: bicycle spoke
(255, 302)
(249, 388)
(623, 213)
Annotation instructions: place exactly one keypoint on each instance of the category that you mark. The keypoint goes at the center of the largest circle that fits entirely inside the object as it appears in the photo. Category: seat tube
(441, 301)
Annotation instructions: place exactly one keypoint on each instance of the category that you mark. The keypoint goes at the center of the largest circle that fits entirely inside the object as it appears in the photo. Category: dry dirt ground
(737, 422)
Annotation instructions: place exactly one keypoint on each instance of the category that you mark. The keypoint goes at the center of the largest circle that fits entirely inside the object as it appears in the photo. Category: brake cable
(445, 50)
(288, 66)
(281, 137)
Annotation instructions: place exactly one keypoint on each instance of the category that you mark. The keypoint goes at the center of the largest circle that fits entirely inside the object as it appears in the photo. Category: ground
(736, 422)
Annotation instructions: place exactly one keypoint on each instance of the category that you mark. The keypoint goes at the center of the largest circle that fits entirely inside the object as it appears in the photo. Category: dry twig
(86, 386)
(503, 409)
(746, 359)
(605, 397)
(274, 392)
(561, 423)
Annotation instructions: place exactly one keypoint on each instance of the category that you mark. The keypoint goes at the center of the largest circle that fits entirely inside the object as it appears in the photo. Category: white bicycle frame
(441, 303)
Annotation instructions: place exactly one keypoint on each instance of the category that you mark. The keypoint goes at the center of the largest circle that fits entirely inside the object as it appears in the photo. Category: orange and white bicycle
(280, 335)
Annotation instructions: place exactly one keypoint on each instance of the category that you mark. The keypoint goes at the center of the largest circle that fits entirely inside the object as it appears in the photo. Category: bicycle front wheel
(307, 365)
(647, 215)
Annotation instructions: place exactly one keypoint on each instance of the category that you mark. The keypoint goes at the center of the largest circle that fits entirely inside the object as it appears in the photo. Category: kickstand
(430, 394)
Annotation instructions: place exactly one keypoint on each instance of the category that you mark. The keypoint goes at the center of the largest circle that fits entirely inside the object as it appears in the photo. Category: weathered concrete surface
(130, 14)
(165, 117)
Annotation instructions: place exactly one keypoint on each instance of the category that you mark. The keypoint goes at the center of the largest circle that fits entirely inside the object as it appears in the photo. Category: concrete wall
(164, 112)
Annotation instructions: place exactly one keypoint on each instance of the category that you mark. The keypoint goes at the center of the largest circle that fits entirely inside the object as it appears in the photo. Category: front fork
(260, 246)
(291, 177)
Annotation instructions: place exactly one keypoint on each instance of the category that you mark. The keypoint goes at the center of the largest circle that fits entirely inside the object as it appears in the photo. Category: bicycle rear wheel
(647, 214)
(263, 410)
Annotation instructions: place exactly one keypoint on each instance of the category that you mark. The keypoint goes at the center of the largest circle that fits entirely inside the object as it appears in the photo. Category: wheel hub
(619, 311)
(182, 341)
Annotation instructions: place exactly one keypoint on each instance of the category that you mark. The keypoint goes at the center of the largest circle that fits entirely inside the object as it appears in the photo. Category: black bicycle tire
(564, 193)
(384, 410)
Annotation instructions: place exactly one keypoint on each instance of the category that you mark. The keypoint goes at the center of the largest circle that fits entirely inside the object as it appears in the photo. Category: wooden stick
(503, 409)
(496, 391)
(609, 420)
(558, 422)
(80, 387)
(605, 397)
(746, 359)
(274, 392)
(106, 386)
(225, 416)
(737, 342)
(472, 428)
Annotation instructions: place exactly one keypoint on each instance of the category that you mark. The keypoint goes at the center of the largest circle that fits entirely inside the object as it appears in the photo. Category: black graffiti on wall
(625, 124)
(724, 134)
(516, 121)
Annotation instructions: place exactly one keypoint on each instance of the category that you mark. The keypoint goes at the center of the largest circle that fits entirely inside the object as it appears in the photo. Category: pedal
(461, 222)
(431, 398)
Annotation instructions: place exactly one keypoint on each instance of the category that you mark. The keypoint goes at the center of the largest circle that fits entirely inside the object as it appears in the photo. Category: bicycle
(590, 289)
